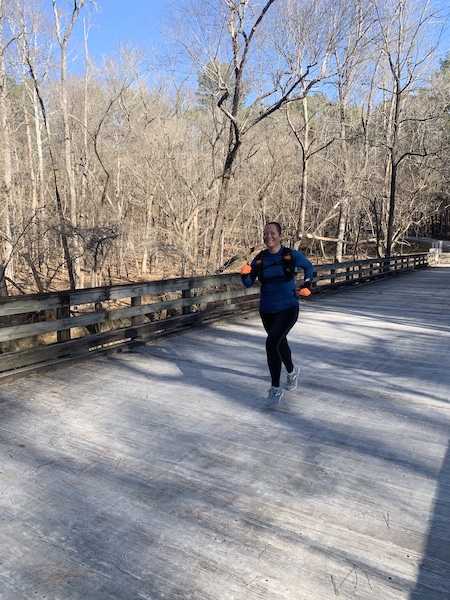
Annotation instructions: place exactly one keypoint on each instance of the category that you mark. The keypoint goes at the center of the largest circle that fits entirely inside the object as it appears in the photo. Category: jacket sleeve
(249, 280)
(301, 261)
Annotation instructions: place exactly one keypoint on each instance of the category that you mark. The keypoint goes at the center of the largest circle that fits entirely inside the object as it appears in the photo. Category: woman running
(278, 306)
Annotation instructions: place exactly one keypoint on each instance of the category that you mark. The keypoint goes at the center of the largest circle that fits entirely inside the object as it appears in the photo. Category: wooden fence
(43, 331)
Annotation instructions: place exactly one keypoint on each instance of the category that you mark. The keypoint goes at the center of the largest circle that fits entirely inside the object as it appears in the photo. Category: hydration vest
(286, 261)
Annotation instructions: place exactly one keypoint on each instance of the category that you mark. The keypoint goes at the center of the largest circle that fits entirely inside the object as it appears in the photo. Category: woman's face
(272, 238)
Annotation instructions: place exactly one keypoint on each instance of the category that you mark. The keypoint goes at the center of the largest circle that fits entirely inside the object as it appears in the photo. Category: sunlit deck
(158, 474)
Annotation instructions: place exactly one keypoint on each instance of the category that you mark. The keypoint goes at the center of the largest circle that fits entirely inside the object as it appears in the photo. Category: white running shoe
(274, 397)
(292, 379)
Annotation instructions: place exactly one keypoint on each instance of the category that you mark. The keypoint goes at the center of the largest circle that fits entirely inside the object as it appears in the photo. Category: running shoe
(275, 395)
(292, 379)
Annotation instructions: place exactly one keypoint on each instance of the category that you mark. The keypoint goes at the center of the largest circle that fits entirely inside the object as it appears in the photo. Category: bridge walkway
(157, 474)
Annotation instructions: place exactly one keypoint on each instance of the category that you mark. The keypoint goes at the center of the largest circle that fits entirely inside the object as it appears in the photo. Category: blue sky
(135, 22)
(138, 23)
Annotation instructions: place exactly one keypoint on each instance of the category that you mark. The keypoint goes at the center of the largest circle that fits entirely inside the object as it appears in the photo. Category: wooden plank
(16, 305)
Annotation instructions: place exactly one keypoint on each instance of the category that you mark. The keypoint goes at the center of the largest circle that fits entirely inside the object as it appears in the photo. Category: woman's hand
(305, 290)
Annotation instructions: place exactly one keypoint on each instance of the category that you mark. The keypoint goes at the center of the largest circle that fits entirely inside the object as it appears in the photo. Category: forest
(332, 118)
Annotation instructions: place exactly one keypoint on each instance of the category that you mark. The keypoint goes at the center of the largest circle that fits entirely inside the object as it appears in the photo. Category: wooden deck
(157, 474)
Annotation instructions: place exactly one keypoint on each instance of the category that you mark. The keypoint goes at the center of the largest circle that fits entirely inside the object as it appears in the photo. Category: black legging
(278, 326)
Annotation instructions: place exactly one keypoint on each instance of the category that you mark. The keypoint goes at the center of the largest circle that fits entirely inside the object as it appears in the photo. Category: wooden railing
(42, 331)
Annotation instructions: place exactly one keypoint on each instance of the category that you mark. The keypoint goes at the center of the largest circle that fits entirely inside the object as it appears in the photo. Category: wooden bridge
(157, 474)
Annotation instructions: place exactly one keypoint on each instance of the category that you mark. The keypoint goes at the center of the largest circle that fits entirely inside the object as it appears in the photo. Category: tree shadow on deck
(210, 366)
(433, 580)
(414, 310)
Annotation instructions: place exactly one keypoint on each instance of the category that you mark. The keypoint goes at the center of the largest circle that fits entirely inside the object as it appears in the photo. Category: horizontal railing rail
(42, 331)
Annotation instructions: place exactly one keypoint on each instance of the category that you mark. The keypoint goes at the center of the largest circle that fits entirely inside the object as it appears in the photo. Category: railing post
(228, 289)
(63, 312)
(186, 309)
(137, 319)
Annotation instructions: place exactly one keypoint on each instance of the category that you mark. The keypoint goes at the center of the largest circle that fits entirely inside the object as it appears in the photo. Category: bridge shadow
(420, 303)
(435, 565)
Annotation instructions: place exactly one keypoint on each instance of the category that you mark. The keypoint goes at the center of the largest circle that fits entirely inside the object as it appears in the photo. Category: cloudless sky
(119, 22)
(138, 23)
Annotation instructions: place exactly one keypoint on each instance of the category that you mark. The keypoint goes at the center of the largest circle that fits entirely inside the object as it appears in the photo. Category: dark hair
(277, 225)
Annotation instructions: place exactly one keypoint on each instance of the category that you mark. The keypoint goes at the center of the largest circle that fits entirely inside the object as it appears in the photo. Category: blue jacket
(276, 293)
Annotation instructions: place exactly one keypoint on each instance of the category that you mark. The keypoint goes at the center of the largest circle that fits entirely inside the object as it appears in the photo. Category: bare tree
(63, 36)
(6, 257)
(104, 174)
(30, 58)
(350, 60)
(239, 32)
(29, 27)
(310, 146)
(407, 33)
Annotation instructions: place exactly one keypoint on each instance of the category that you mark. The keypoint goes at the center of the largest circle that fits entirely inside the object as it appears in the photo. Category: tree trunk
(73, 212)
(304, 175)
(342, 225)
(219, 221)
(6, 258)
